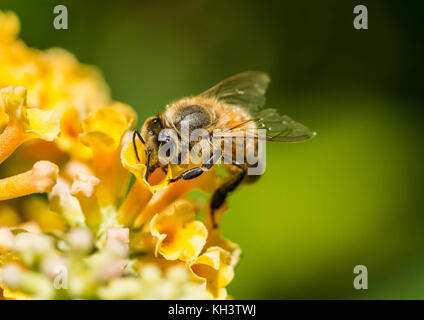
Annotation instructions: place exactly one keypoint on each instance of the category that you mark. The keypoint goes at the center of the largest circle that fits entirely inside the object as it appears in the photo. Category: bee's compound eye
(154, 125)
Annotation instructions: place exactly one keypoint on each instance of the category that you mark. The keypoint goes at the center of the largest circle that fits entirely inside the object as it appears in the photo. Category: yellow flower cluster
(77, 218)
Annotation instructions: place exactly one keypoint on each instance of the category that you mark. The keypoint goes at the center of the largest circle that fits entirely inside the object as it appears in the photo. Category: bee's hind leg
(221, 193)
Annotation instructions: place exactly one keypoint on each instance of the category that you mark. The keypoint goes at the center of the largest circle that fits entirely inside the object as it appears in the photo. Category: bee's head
(150, 133)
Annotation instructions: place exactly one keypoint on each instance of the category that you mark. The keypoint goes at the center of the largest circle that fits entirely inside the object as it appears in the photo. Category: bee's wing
(278, 128)
(246, 90)
(281, 128)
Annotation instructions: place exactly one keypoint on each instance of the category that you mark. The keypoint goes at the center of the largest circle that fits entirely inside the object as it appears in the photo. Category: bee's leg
(137, 134)
(197, 171)
(189, 174)
(220, 195)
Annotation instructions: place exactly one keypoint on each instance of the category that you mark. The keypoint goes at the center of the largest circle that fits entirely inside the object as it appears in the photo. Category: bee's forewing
(246, 90)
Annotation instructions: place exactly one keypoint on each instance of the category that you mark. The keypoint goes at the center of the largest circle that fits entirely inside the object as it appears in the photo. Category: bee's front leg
(197, 171)
(189, 174)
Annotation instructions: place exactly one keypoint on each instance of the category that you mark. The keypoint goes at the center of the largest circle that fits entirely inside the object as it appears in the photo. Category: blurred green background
(351, 196)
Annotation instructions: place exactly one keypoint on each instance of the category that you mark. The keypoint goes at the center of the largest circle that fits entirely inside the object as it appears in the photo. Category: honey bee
(234, 106)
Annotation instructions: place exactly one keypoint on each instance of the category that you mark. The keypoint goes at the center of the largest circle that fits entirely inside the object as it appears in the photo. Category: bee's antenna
(137, 134)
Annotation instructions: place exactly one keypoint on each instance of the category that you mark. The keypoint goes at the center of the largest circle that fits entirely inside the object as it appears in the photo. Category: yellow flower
(24, 123)
(102, 132)
(115, 236)
(84, 189)
(68, 140)
(178, 235)
(214, 269)
(104, 128)
(55, 80)
(165, 193)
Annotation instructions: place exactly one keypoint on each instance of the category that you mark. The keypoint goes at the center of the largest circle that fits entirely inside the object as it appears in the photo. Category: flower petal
(106, 126)
(44, 124)
(214, 269)
(178, 235)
